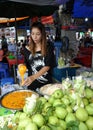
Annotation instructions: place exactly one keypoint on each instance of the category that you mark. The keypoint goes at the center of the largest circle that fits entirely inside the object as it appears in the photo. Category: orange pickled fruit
(22, 69)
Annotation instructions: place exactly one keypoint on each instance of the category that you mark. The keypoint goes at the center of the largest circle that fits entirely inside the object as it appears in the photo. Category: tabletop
(14, 61)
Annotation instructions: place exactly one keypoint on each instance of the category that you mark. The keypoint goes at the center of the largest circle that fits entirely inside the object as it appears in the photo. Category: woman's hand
(28, 81)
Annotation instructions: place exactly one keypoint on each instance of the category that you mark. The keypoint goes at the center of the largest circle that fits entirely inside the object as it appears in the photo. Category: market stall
(14, 61)
(61, 106)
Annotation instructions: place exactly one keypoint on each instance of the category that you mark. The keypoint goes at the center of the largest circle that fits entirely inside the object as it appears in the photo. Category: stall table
(61, 73)
(85, 60)
(14, 61)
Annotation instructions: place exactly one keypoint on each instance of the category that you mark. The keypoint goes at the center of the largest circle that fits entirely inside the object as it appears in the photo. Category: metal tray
(16, 102)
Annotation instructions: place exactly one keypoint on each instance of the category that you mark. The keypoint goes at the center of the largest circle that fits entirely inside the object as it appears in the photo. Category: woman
(39, 58)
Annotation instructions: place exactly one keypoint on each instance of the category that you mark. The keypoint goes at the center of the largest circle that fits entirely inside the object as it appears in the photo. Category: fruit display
(70, 108)
(87, 74)
(48, 89)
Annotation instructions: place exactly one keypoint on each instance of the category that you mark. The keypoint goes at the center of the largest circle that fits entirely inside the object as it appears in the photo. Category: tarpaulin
(83, 9)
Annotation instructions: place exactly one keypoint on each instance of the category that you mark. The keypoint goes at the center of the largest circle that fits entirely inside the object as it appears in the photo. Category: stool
(9, 80)
(3, 73)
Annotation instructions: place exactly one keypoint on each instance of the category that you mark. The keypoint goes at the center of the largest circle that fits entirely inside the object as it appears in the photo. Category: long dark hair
(41, 27)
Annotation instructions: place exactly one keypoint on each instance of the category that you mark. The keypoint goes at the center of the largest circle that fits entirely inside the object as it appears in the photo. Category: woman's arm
(31, 78)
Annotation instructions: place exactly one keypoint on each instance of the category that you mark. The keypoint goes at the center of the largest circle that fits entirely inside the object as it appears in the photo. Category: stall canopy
(10, 8)
(19, 8)
(44, 19)
(83, 9)
(10, 20)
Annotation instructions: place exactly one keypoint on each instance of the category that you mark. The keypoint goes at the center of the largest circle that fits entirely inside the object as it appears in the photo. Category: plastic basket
(5, 81)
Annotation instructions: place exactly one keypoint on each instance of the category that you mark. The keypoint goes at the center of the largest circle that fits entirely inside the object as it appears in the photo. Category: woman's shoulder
(26, 48)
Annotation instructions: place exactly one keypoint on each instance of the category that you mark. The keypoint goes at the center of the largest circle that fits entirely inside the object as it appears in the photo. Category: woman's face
(36, 35)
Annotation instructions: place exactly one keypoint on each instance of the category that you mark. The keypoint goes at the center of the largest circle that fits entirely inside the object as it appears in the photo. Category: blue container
(71, 72)
(63, 73)
(9, 80)
(4, 70)
(59, 74)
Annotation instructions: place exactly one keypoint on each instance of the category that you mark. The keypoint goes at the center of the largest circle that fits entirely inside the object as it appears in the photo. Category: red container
(65, 27)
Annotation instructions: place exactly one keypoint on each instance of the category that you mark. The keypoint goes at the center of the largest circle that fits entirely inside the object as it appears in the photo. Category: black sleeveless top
(37, 62)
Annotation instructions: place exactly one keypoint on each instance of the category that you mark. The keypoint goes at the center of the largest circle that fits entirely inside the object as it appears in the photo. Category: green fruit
(31, 126)
(23, 123)
(45, 128)
(59, 128)
(16, 117)
(91, 100)
(38, 120)
(43, 100)
(46, 106)
(23, 116)
(65, 101)
(63, 124)
(51, 100)
(88, 93)
(82, 126)
(57, 102)
(69, 109)
(58, 93)
(81, 114)
(89, 109)
(60, 112)
(91, 104)
(53, 120)
(70, 117)
(85, 101)
(89, 123)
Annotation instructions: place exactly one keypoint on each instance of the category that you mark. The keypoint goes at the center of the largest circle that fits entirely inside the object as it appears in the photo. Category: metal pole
(92, 60)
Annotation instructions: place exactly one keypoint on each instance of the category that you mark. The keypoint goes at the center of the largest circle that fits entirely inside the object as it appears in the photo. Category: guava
(60, 112)
(83, 126)
(70, 117)
(23, 123)
(59, 128)
(91, 100)
(53, 120)
(57, 102)
(63, 124)
(69, 109)
(31, 126)
(89, 109)
(85, 101)
(81, 114)
(51, 99)
(44, 127)
(22, 116)
(43, 100)
(16, 117)
(38, 119)
(89, 123)
(58, 93)
(65, 101)
(46, 106)
(88, 93)
(91, 104)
